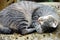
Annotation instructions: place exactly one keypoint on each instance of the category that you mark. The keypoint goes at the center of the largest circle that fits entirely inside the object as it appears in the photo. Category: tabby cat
(24, 17)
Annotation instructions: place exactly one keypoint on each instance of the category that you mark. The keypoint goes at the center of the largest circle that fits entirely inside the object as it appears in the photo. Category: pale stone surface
(36, 36)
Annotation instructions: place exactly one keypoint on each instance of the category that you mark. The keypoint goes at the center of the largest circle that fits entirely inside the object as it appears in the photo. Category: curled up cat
(26, 17)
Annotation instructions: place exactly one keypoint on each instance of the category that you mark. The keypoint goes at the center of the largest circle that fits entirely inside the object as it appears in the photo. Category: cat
(17, 17)
(21, 17)
(45, 19)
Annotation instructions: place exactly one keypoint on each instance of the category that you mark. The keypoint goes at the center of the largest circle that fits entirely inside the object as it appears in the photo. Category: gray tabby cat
(45, 19)
(17, 17)
(24, 17)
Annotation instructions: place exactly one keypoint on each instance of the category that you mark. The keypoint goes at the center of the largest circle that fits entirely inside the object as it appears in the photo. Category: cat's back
(22, 9)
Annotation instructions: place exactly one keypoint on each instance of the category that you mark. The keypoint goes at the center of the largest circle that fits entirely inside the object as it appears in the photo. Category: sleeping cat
(45, 19)
(24, 17)
(17, 17)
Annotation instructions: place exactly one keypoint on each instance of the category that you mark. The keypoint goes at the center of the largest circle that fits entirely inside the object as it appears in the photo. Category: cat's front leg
(27, 31)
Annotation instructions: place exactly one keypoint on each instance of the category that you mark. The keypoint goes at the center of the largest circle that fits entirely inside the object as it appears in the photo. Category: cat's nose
(41, 21)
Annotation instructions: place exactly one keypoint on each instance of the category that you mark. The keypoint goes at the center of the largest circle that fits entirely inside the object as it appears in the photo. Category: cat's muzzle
(46, 24)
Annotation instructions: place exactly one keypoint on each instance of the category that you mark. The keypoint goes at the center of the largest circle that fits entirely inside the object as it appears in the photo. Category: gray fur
(20, 17)
(45, 19)
(17, 17)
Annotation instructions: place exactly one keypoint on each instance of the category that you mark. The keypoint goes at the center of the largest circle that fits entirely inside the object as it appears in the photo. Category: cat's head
(46, 24)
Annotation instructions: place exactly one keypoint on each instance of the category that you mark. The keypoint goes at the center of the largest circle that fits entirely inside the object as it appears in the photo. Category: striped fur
(20, 17)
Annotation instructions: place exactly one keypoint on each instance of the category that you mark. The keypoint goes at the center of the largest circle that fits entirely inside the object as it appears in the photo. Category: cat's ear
(54, 24)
